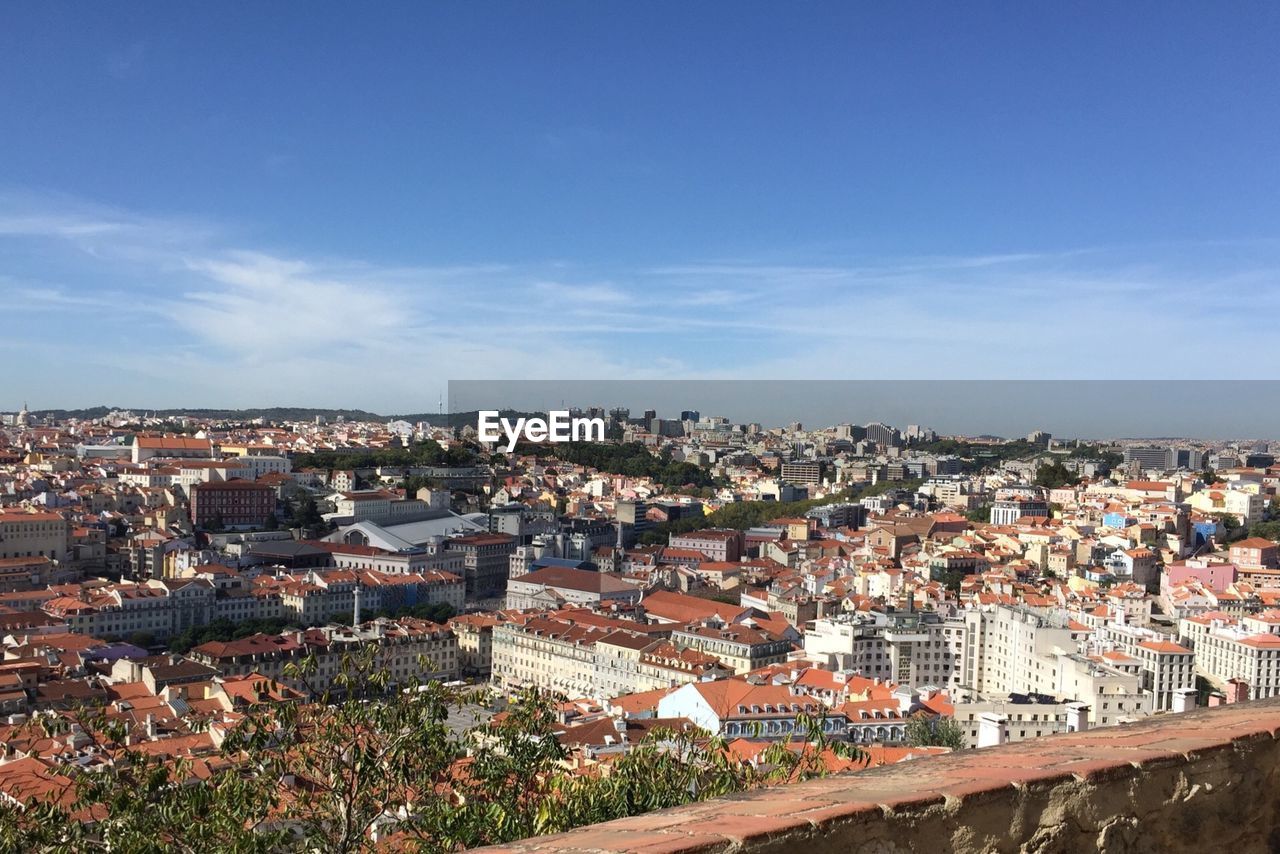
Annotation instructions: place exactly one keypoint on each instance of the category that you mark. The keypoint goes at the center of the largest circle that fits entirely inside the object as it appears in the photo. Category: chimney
(150, 726)
(1077, 717)
(993, 729)
(1184, 699)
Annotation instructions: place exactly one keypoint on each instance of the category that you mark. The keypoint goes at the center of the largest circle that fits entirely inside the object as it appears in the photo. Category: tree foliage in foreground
(374, 761)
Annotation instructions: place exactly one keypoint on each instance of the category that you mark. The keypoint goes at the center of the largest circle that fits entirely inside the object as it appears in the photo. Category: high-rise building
(1191, 459)
(883, 435)
(801, 471)
(631, 516)
(1149, 457)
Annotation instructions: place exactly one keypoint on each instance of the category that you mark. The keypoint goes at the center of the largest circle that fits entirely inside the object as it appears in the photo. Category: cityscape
(917, 594)
(566, 427)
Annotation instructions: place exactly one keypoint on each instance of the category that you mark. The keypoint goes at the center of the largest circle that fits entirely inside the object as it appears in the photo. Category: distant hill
(271, 413)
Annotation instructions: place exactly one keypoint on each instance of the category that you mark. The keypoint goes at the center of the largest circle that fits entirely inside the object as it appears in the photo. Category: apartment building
(1236, 648)
(162, 608)
(408, 649)
(1255, 553)
(716, 544)
(547, 651)
(25, 573)
(1008, 511)
(170, 447)
(801, 471)
(1114, 693)
(232, 503)
(475, 642)
(581, 654)
(630, 662)
(34, 534)
(741, 648)
(1166, 668)
(168, 607)
(1247, 507)
(1018, 650)
(1012, 718)
(841, 515)
(557, 586)
(916, 649)
(485, 562)
(736, 707)
(187, 474)
(1149, 458)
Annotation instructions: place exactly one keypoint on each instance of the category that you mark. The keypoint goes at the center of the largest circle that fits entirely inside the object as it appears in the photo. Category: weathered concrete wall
(1204, 781)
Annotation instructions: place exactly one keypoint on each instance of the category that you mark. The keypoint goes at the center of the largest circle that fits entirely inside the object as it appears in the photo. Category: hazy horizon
(1069, 409)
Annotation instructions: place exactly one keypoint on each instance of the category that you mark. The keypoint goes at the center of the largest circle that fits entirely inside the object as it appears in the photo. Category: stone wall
(1202, 781)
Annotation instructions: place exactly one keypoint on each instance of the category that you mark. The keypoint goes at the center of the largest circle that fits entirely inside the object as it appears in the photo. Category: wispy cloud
(593, 293)
(183, 309)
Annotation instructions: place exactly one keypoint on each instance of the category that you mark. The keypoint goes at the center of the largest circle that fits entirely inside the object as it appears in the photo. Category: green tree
(306, 513)
(924, 731)
(952, 579)
(1054, 475)
(1270, 529)
(372, 753)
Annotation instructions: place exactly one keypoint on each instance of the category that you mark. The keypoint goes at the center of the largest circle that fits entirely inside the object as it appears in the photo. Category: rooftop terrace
(1207, 780)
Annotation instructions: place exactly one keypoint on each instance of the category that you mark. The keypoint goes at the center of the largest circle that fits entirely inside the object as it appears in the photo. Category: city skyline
(1085, 410)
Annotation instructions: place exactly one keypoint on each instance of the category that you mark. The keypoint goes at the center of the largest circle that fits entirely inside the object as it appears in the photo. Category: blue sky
(325, 204)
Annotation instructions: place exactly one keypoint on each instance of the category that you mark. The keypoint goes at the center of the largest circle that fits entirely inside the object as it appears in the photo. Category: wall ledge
(1202, 780)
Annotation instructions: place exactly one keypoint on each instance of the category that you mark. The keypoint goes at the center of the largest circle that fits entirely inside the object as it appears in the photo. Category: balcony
(1207, 780)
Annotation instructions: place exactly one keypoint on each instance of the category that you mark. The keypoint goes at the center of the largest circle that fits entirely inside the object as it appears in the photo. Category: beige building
(1247, 507)
(629, 662)
(741, 648)
(409, 649)
(548, 652)
(475, 642)
(557, 586)
(1017, 717)
(1245, 649)
(162, 608)
(34, 534)
(913, 649)
(579, 654)
(1015, 650)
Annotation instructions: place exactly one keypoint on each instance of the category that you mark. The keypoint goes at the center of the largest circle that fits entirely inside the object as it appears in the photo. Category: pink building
(1215, 576)
(1256, 552)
